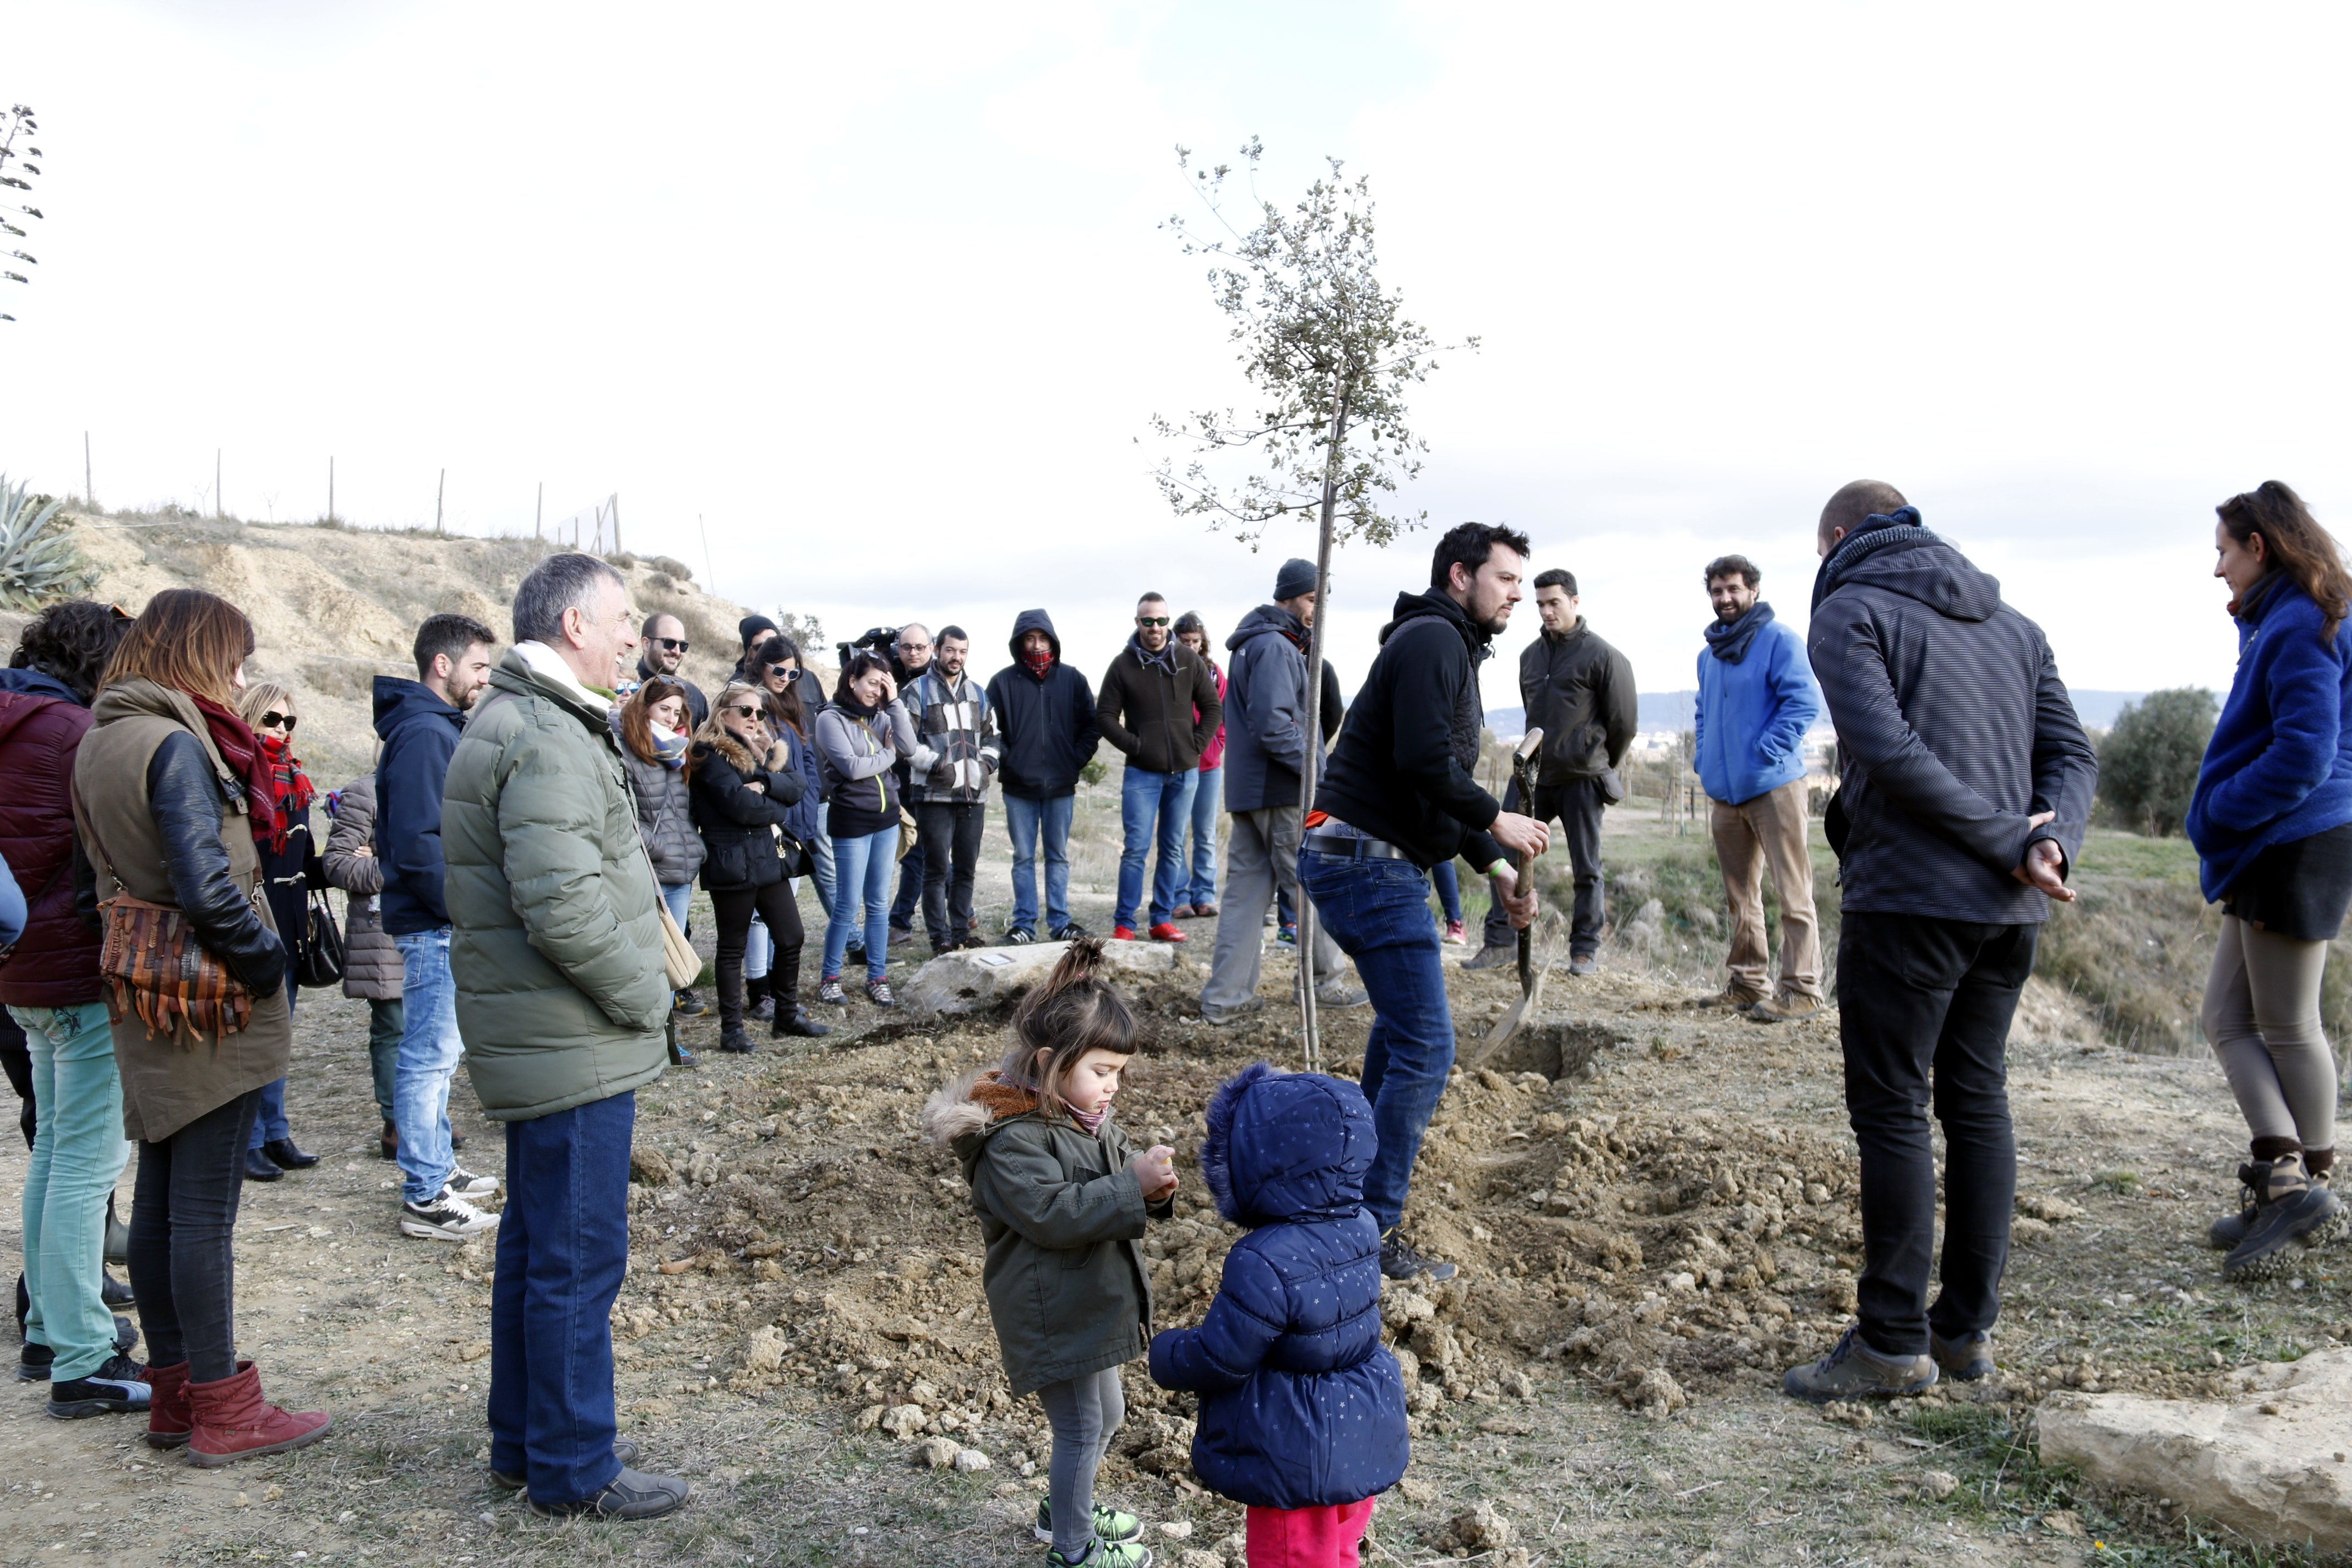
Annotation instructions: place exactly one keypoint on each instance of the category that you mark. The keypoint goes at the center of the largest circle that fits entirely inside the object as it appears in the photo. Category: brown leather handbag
(154, 966)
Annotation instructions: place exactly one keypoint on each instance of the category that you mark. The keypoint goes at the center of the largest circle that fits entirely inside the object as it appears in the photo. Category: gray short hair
(560, 583)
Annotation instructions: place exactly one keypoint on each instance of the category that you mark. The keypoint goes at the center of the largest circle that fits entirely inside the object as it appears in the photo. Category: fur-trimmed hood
(973, 1104)
(712, 738)
(1286, 1146)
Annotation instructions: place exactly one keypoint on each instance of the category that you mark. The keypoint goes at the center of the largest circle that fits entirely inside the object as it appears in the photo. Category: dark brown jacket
(170, 1080)
(1161, 710)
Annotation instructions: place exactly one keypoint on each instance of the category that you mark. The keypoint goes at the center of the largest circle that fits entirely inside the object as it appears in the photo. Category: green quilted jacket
(557, 945)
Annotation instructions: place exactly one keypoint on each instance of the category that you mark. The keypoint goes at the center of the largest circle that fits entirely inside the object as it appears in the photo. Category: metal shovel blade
(1508, 1024)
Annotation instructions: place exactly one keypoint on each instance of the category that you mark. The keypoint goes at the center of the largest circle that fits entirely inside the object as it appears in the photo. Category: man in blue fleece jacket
(1967, 788)
(1756, 700)
(418, 721)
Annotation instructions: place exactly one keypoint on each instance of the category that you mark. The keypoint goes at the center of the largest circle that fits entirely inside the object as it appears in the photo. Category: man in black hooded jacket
(1397, 798)
(1046, 714)
(1966, 789)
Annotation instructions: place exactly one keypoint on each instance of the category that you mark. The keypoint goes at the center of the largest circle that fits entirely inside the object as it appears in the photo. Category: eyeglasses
(273, 720)
(675, 645)
(1151, 620)
(742, 710)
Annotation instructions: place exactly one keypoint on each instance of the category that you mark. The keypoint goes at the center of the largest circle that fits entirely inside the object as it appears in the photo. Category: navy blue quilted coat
(1301, 1405)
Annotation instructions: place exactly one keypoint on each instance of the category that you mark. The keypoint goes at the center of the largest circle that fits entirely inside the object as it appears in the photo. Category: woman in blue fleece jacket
(1302, 1408)
(2271, 820)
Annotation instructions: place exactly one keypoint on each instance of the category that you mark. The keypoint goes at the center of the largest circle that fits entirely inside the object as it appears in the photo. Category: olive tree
(2149, 763)
(1328, 356)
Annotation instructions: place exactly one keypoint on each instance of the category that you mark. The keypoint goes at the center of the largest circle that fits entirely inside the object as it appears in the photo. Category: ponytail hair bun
(1075, 1011)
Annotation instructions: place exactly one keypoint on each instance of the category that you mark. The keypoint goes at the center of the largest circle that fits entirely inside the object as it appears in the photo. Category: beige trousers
(1770, 830)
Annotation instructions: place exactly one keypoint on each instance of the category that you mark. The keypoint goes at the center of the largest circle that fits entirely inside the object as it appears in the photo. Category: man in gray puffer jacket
(372, 964)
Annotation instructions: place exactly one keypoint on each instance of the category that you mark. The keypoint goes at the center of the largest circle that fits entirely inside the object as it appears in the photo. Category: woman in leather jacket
(165, 786)
(743, 785)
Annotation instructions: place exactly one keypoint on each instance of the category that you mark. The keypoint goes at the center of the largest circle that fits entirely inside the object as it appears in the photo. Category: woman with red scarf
(160, 828)
(290, 870)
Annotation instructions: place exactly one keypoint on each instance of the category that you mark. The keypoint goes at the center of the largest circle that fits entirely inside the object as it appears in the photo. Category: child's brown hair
(1073, 1011)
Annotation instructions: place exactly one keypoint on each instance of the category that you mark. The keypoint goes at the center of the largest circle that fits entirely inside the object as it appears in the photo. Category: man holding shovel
(1398, 797)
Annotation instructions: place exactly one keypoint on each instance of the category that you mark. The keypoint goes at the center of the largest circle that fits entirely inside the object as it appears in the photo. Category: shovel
(1531, 979)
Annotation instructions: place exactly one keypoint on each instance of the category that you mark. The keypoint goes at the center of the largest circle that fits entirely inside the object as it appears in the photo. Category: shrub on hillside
(2148, 767)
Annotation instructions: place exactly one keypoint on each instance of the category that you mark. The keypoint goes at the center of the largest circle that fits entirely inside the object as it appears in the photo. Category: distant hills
(1671, 710)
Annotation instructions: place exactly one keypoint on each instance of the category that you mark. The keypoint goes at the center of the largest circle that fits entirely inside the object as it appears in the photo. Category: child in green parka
(1062, 1198)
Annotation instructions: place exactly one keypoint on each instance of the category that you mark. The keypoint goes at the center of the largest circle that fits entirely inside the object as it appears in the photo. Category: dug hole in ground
(1654, 1208)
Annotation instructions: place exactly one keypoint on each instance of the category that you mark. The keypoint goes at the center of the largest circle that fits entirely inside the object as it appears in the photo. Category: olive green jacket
(1060, 1214)
(556, 945)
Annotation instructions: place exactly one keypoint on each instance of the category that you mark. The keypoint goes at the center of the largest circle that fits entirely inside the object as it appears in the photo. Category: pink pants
(1308, 1537)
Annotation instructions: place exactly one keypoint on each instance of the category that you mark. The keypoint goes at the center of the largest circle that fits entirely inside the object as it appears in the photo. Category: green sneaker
(1101, 1553)
(1110, 1525)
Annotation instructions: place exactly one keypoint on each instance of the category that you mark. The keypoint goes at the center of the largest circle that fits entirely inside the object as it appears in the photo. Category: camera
(875, 639)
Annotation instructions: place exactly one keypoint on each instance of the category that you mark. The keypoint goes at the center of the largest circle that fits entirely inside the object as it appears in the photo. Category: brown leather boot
(168, 1418)
(232, 1421)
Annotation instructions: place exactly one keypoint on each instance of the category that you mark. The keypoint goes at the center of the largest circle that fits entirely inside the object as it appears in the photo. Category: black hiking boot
(2296, 1212)
(1853, 1370)
(2254, 1191)
(1400, 1259)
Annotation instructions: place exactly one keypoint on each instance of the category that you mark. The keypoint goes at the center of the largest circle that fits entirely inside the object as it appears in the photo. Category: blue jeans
(387, 1025)
(1449, 889)
(820, 849)
(1028, 822)
(861, 876)
(78, 1151)
(563, 1244)
(1153, 808)
(679, 899)
(1208, 796)
(1378, 911)
(429, 1049)
(269, 1119)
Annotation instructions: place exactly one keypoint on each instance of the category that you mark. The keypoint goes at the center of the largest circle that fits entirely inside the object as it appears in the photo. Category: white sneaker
(464, 1183)
(447, 1218)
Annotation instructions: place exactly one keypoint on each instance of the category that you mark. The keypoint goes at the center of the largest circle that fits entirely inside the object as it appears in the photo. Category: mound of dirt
(1655, 1252)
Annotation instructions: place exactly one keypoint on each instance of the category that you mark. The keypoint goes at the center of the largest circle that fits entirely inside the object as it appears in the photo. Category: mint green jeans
(78, 1153)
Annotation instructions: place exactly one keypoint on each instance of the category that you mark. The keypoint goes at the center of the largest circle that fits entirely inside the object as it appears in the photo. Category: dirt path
(1647, 1241)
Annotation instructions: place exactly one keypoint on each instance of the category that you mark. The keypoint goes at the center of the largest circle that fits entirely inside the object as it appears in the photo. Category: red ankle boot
(232, 1421)
(167, 1407)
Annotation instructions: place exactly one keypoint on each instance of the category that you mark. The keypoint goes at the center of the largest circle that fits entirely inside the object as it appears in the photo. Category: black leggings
(182, 1221)
(782, 912)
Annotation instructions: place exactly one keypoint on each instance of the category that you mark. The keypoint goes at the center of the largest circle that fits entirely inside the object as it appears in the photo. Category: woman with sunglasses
(775, 666)
(290, 870)
(743, 784)
(859, 740)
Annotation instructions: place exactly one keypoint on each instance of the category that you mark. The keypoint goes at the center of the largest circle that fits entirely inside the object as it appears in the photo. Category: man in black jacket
(1580, 692)
(1046, 714)
(1397, 798)
(1159, 706)
(1966, 790)
(419, 722)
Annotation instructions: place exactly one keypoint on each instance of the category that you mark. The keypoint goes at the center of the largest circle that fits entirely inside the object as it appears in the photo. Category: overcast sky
(879, 296)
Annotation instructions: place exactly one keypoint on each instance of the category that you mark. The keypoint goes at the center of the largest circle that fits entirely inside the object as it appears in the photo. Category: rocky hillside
(334, 608)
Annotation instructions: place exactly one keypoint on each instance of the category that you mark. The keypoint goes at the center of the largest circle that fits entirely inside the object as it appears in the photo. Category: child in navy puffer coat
(1302, 1408)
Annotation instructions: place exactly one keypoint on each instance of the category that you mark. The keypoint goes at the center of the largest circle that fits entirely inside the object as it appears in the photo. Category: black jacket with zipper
(1401, 770)
(1579, 690)
(736, 821)
(1147, 705)
(1047, 722)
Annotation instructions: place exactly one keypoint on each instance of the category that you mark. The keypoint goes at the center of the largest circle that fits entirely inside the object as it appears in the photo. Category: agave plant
(39, 561)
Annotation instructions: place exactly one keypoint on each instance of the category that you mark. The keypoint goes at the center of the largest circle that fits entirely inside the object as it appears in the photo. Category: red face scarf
(289, 790)
(1039, 663)
(240, 748)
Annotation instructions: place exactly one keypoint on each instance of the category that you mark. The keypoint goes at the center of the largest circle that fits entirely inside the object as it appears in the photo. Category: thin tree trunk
(1309, 1024)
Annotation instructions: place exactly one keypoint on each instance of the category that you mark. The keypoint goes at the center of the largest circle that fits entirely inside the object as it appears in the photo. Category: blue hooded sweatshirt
(1756, 700)
(1301, 1405)
(2279, 767)
(420, 735)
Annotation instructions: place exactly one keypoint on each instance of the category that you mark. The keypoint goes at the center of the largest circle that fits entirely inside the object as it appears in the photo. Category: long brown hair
(2294, 544)
(637, 715)
(1075, 1012)
(785, 705)
(187, 639)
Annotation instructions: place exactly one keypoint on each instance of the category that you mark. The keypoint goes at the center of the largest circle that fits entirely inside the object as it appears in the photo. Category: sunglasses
(273, 720)
(743, 710)
(781, 669)
(1151, 620)
(675, 645)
